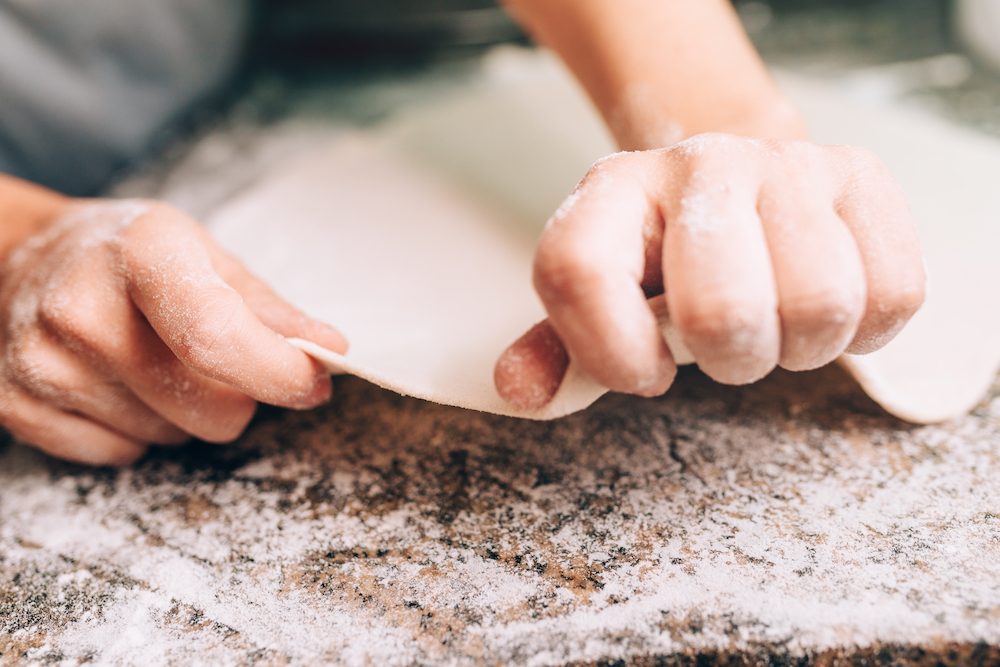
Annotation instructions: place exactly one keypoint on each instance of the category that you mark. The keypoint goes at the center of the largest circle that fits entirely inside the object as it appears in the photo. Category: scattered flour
(381, 530)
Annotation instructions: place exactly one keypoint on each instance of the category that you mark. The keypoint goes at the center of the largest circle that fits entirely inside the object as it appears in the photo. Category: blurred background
(90, 95)
(296, 36)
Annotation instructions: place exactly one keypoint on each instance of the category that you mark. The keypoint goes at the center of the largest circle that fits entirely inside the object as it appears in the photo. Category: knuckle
(835, 305)
(901, 286)
(24, 369)
(32, 365)
(71, 317)
(715, 166)
(565, 268)
(148, 213)
(803, 162)
(712, 148)
(864, 157)
(610, 162)
(904, 299)
(722, 319)
(152, 225)
(890, 307)
(863, 162)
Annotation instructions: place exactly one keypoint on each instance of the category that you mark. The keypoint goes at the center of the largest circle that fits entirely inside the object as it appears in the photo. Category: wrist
(776, 118)
(26, 209)
(642, 120)
(660, 72)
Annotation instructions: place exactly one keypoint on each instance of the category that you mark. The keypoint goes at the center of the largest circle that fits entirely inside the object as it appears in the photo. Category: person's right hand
(123, 324)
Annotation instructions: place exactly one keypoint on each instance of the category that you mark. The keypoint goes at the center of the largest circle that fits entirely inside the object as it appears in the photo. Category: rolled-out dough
(424, 282)
(415, 237)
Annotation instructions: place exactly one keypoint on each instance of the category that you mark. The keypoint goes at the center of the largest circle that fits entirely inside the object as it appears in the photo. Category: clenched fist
(770, 252)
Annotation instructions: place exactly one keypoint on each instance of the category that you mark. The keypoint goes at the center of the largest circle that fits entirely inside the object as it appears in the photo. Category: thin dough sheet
(415, 238)
(423, 281)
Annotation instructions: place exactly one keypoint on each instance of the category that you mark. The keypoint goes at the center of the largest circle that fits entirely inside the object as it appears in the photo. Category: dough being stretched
(411, 239)
(428, 286)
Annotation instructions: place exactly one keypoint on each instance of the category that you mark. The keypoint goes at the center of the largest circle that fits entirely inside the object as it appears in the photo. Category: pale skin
(123, 325)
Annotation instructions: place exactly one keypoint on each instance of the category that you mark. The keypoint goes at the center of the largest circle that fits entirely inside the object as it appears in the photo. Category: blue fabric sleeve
(86, 84)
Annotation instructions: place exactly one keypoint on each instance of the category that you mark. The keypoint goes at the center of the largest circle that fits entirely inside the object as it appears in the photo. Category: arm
(661, 71)
(25, 208)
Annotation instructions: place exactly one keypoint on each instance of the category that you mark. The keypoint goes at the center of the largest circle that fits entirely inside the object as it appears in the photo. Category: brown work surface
(715, 525)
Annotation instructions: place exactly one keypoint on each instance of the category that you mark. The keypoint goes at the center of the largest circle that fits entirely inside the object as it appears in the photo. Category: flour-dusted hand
(771, 252)
(123, 324)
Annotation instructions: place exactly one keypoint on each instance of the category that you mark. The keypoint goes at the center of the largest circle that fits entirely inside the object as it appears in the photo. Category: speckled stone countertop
(786, 523)
(772, 523)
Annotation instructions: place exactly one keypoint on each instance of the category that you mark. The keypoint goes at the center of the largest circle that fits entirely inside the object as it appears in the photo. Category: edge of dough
(577, 391)
(887, 395)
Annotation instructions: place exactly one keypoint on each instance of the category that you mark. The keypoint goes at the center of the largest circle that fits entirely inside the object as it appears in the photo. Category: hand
(123, 324)
(770, 252)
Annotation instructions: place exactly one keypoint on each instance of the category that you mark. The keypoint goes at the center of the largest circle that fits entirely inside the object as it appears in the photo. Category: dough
(415, 238)
(424, 282)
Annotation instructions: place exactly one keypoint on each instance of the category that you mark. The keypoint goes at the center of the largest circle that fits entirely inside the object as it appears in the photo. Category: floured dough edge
(896, 403)
(577, 391)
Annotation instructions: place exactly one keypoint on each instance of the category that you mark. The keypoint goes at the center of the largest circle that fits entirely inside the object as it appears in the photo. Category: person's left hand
(770, 252)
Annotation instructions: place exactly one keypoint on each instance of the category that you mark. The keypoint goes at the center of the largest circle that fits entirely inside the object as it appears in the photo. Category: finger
(818, 271)
(529, 372)
(48, 371)
(205, 408)
(273, 311)
(133, 353)
(63, 435)
(721, 292)
(875, 210)
(589, 266)
(200, 406)
(205, 322)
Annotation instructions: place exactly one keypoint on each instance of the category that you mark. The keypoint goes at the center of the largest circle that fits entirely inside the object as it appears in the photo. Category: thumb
(529, 372)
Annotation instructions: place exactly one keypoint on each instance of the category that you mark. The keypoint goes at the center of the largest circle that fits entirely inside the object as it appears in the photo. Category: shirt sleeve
(86, 84)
